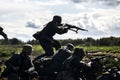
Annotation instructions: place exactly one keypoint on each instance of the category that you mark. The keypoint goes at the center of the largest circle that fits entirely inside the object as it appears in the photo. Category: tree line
(105, 41)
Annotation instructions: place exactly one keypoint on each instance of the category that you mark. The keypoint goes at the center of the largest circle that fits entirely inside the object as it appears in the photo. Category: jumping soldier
(19, 65)
(46, 36)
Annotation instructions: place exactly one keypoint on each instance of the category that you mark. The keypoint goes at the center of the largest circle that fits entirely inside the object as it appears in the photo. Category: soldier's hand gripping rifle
(74, 28)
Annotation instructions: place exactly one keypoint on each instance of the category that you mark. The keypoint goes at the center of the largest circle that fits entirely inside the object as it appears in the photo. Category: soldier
(46, 36)
(3, 34)
(73, 66)
(56, 63)
(19, 65)
(61, 55)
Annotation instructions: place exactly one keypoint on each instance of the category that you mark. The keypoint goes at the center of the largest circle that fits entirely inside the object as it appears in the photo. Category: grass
(7, 50)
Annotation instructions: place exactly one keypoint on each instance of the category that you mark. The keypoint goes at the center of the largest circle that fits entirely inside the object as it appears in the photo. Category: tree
(15, 41)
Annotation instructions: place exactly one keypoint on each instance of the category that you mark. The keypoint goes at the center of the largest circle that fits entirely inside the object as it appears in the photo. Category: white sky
(21, 18)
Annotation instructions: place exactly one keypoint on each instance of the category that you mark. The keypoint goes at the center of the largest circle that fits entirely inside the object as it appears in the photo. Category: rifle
(74, 28)
(98, 58)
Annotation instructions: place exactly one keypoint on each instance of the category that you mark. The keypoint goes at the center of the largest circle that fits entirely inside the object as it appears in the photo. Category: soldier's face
(30, 53)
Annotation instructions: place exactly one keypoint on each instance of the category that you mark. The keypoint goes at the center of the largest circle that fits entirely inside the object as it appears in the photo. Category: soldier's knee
(56, 44)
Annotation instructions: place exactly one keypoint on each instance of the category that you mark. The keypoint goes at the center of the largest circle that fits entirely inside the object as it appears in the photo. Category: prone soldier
(73, 65)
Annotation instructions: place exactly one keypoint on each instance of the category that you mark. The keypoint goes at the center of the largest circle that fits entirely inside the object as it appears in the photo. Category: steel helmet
(57, 19)
(79, 52)
(70, 46)
(27, 48)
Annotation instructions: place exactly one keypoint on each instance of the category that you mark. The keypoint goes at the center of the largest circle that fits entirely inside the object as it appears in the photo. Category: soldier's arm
(4, 35)
(31, 68)
(84, 65)
(61, 30)
(10, 64)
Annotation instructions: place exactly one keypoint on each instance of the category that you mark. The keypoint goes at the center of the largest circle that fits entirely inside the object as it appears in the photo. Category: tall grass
(106, 49)
(7, 50)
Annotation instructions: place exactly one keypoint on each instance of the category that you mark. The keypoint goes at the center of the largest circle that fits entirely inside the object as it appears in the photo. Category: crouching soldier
(73, 66)
(61, 55)
(51, 71)
(19, 66)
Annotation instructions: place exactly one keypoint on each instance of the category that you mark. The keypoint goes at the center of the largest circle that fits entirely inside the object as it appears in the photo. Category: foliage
(105, 49)
(7, 50)
(105, 41)
(13, 41)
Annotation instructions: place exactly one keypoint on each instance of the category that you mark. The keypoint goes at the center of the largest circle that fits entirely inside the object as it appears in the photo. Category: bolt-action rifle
(97, 59)
(74, 28)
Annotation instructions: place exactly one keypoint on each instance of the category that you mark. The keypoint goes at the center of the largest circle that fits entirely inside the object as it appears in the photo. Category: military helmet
(57, 19)
(27, 48)
(70, 46)
(79, 52)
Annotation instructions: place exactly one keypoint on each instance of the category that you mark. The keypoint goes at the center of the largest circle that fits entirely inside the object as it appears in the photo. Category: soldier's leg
(56, 44)
(48, 47)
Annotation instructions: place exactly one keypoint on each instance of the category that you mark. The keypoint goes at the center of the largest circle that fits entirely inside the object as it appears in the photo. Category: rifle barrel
(73, 26)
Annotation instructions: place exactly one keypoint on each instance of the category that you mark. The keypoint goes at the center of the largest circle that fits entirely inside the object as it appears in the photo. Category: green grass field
(7, 50)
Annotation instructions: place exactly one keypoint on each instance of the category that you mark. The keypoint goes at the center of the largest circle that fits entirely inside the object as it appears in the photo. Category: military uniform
(73, 66)
(50, 71)
(56, 62)
(46, 36)
(19, 65)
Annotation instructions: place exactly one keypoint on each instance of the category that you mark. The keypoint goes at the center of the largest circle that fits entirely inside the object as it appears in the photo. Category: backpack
(36, 35)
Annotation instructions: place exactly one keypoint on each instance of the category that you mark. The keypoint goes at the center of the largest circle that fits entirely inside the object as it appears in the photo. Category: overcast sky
(21, 18)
